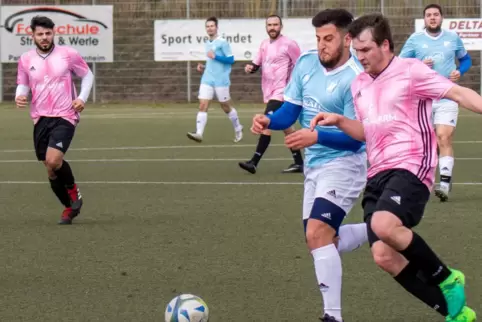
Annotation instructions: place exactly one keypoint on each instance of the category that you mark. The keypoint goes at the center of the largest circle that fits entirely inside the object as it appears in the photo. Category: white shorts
(445, 113)
(207, 92)
(340, 181)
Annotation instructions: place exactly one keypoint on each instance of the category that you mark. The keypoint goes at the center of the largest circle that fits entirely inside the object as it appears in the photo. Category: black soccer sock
(297, 156)
(60, 191)
(261, 148)
(429, 294)
(64, 173)
(426, 260)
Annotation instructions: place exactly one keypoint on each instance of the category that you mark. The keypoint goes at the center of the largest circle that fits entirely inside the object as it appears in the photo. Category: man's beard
(276, 34)
(434, 30)
(44, 48)
(333, 61)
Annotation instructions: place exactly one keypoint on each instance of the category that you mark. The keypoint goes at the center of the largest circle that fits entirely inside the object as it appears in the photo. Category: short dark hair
(41, 21)
(275, 16)
(341, 18)
(213, 19)
(433, 6)
(378, 25)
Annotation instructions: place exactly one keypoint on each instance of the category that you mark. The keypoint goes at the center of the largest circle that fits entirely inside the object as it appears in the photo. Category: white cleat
(195, 137)
(238, 136)
(442, 192)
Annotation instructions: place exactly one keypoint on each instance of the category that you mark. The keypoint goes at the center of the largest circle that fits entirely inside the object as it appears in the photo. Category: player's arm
(255, 65)
(289, 112)
(81, 69)
(227, 57)
(428, 84)
(23, 87)
(341, 140)
(408, 49)
(465, 61)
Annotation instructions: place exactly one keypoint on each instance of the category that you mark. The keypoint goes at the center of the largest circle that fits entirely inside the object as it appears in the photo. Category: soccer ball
(187, 308)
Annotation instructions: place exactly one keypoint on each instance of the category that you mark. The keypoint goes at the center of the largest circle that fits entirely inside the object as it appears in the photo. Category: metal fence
(134, 76)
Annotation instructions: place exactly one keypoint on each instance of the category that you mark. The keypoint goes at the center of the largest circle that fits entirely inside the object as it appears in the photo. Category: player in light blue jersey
(335, 164)
(215, 81)
(439, 48)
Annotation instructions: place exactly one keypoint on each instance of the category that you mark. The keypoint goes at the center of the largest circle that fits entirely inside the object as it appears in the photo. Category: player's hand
(200, 67)
(301, 139)
(21, 101)
(211, 54)
(78, 105)
(428, 62)
(454, 76)
(323, 119)
(260, 123)
(248, 68)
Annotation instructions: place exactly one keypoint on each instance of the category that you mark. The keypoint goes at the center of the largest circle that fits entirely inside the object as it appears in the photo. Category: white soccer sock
(328, 273)
(351, 237)
(201, 120)
(233, 116)
(446, 165)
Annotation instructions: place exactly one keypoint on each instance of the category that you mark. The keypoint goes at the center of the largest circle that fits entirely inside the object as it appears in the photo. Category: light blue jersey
(318, 90)
(443, 50)
(216, 73)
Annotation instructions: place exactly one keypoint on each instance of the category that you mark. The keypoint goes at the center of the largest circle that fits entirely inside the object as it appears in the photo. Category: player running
(276, 57)
(393, 101)
(47, 72)
(335, 168)
(438, 48)
(215, 81)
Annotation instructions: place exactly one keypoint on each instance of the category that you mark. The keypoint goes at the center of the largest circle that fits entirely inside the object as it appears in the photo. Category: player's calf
(320, 228)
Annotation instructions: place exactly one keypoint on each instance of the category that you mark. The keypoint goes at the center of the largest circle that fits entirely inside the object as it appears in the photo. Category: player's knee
(444, 137)
(52, 162)
(383, 223)
(323, 223)
(318, 234)
(203, 105)
(289, 130)
(225, 107)
(387, 258)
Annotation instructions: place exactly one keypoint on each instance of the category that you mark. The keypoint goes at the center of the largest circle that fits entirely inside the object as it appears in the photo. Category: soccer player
(335, 164)
(276, 57)
(215, 81)
(54, 108)
(438, 49)
(393, 102)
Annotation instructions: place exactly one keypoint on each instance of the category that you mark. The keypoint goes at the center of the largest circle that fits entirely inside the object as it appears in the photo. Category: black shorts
(53, 132)
(398, 191)
(272, 106)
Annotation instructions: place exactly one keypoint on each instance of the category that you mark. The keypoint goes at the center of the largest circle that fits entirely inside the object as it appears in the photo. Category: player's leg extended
(336, 190)
(399, 208)
(297, 166)
(60, 138)
(263, 141)
(445, 121)
(206, 94)
(41, 137)
(224, 98)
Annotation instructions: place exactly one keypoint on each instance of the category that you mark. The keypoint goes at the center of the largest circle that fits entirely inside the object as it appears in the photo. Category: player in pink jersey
(47, 72)
(393, 100)
(276, 57)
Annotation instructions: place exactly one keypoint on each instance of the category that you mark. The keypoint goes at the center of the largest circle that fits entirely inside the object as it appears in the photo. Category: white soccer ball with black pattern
(187, 308)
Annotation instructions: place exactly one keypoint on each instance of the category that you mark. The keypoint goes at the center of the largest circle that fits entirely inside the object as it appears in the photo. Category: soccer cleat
(328, 318)
(466, 315)
(294, 168)
(67, 217)
(75, 201)
(454, 292)
(195, 137)
(442, 192)
(248, 166)
(238, 135)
